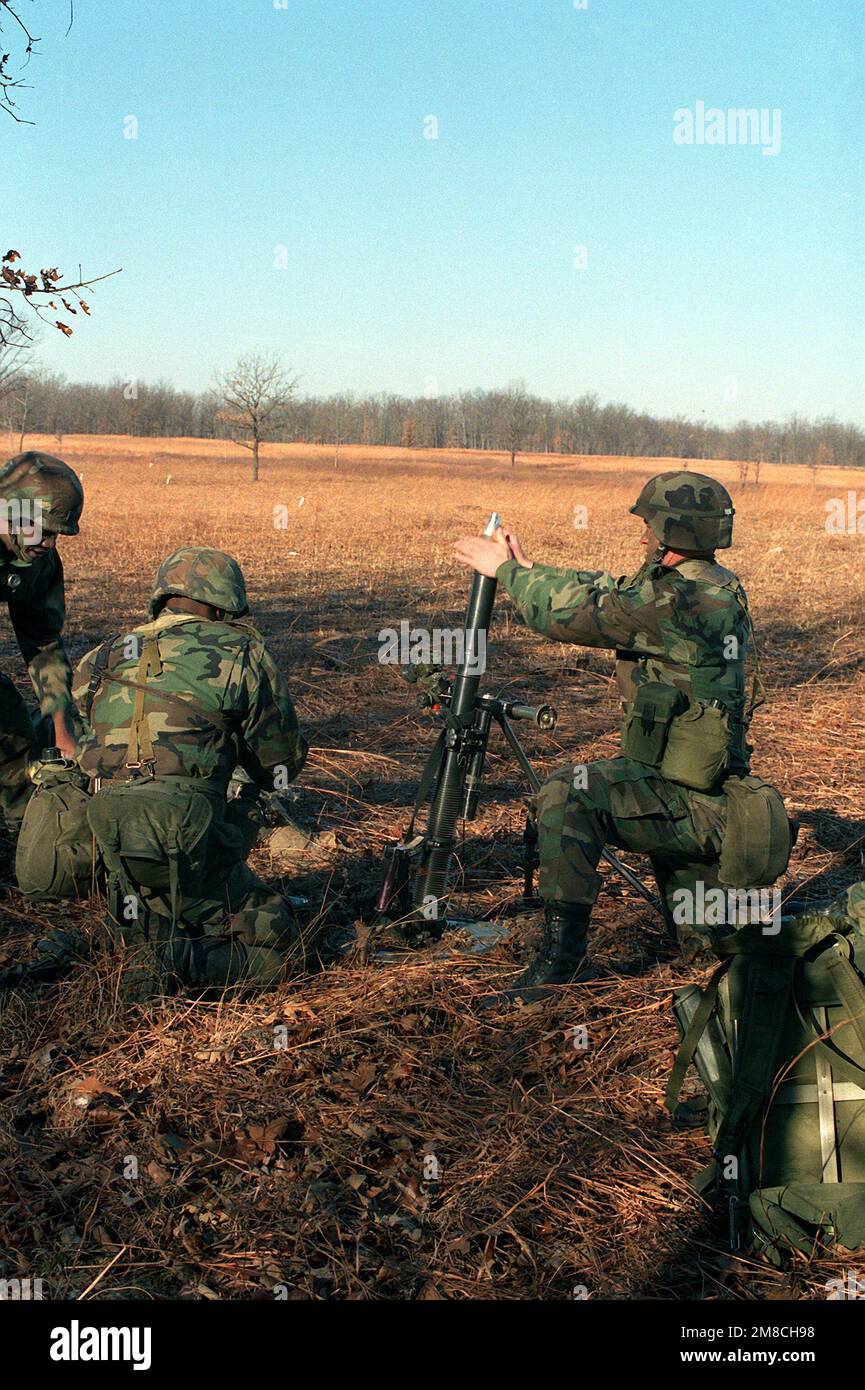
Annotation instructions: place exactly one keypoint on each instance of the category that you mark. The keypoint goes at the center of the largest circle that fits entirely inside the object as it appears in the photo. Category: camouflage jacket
(37, 607)
(851, 904)
(214, 697)
(672, 624)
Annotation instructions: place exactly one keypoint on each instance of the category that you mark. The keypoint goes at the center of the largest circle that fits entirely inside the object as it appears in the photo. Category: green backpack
(778, 1040)
(153, 836)
(55, 856)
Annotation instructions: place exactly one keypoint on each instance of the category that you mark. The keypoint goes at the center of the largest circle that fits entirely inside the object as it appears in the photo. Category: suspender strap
(140, 742)
(149, 664)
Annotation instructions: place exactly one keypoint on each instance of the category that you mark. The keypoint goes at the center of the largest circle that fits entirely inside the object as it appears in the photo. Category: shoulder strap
(97, 673)
(140, 748)
(688, 1046)
(768, 995)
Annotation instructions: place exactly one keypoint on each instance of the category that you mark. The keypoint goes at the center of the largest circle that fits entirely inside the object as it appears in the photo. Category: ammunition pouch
(646, 725)
(758, 836)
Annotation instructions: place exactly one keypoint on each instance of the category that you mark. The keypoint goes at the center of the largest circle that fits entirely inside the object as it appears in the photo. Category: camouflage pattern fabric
(37, 477)
(686, 625)
(244, 934)
(208, 576)
(16, 743)
(31, 585)
(213, 697)
(625, 804)
(217, 668)
(687, 511)
(37, 608)
(851, 904)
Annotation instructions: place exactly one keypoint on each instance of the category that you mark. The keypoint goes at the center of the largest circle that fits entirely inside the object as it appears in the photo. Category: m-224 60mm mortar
(417, 868)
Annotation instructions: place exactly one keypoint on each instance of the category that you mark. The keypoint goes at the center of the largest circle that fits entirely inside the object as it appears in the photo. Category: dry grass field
(172, 1150)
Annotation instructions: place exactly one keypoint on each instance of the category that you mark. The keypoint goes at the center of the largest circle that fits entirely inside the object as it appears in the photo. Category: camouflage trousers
(16, 746)
(225, 927)
(247, 936)
(623, 803)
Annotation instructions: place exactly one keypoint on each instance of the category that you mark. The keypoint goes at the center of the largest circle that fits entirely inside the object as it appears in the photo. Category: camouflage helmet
(687, 511)
(36, 477)
(197, 572)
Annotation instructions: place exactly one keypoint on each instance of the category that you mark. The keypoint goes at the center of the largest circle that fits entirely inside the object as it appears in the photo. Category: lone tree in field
(519, 411)
(256, 397)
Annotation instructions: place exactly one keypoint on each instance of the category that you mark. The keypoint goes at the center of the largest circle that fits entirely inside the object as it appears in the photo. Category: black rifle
(416, 869)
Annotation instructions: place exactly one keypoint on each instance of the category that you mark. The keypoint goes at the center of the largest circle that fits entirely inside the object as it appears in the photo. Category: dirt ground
(364, 1132)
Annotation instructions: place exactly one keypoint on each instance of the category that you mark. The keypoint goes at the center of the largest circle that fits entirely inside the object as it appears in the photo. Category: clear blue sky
(720, 280)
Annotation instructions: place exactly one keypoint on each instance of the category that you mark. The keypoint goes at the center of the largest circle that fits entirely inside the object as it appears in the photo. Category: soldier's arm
(38, 623)
(80, 687)
(588, 607)
(271, 736)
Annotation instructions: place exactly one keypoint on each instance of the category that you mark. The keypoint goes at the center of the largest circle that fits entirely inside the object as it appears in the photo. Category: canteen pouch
(646, 726)
(697, 750)
(758, 837)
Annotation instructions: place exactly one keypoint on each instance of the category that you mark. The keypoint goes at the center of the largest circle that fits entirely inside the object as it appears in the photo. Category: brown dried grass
(303, 1165)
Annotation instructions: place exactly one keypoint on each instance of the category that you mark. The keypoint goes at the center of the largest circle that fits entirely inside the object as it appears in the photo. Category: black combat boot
(561, 957)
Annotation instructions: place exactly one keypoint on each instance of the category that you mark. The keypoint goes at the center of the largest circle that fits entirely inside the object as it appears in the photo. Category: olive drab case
(778, 1040)
(55, 856)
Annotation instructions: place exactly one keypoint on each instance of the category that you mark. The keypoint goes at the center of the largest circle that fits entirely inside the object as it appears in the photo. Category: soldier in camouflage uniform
(40, 498)
(681, 619)
(169, 709)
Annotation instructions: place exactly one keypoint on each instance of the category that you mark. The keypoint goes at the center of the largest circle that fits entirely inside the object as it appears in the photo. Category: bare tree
(17, 405)
(340, 407)
(16, 361)
(255, 399)
(16, 357)
(518, 416)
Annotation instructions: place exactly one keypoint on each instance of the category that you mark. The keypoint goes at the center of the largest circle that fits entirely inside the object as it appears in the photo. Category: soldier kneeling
(168, 710)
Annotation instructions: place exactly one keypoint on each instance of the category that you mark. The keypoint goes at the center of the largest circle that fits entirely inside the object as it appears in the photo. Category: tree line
(509, 420)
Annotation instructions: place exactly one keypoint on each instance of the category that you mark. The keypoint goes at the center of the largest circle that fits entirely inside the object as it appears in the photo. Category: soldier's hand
(484, 553)
(517, 551)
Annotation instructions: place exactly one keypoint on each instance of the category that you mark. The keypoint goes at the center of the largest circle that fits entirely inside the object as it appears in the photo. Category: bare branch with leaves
(10, 81)
(22, 291)
(43, 293)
